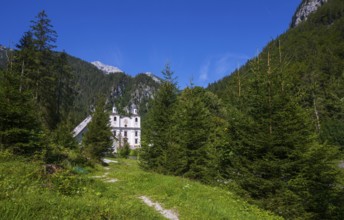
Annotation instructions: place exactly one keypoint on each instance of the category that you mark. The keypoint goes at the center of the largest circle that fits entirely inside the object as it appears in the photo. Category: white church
(125, 129)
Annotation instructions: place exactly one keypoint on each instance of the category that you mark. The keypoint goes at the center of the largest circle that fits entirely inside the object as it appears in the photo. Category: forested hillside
(121, 90)
(272, 130)
(312, 58)
(89, 83)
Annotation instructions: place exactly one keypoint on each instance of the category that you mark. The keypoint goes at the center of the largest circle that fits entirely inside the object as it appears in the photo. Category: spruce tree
(272, 150)
(43, 78)
(97, 140)
(157, 133)
(20, 128)
(199, 134)
(64, 88)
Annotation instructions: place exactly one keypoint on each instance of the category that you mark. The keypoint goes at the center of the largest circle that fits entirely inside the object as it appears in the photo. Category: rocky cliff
(305, 9)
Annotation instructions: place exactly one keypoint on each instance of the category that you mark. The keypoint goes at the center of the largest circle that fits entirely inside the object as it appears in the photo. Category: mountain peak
(155, 78)
(305, 9)
(106, 68)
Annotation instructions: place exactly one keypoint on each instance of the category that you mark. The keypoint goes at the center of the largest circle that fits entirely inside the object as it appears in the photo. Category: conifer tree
(157, 130)
(97, 139)
(199, 134)
(64, 89)
(20, 128)
(272, 149)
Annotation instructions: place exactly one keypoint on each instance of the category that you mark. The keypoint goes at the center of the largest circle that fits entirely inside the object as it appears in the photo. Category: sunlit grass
(24, 194)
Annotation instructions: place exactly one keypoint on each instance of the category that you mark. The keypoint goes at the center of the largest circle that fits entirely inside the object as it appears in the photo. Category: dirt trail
(169, 214)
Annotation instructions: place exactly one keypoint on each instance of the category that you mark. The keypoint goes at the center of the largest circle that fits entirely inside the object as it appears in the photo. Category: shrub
(124, 151)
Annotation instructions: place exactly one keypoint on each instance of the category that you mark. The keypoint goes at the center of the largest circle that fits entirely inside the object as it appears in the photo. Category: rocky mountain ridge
(306, 8)
(106, 68)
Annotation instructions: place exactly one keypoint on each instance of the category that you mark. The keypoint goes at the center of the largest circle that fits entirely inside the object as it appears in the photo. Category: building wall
(128, 128)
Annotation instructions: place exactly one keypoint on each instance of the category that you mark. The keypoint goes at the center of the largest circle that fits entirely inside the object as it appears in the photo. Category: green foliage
(185, 136)
(157, 129)
(199, 134)
(289, 111)
(97, 139)
(124, 90)
(26, 194)
(46, 74)
(135, 152)
(314, 53)
(63, 148)
(270, 151)
(67, 183)
(20, 129)
(124, 151)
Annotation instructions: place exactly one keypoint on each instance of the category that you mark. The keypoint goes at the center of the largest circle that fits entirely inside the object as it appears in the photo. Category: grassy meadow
(111, 192)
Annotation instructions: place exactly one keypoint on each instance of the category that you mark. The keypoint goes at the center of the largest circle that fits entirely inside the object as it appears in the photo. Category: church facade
(125, 129)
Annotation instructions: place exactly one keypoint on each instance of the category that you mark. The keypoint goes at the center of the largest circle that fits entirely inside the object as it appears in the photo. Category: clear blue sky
(203, 40)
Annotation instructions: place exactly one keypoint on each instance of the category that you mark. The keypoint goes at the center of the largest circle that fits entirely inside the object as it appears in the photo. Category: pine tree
(156, 133)
(271, 151)
(44, 34)
(97, 139)
(43, 78)
(20, 128)
(25, 61)
(64, 89)
(199, 134)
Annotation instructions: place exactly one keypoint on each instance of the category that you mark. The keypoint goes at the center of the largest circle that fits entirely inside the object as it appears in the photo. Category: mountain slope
(314, 55)
(120, 89)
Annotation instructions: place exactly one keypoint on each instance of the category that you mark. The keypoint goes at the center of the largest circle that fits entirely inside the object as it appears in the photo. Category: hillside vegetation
(121, 90)
(274, 128)
(27, 193)
(312, 55)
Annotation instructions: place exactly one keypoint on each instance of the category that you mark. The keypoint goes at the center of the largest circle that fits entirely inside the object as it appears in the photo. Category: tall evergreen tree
(157, 130)
(44, 34)
(44, 78)
(271, 155)
(64, 88)
(20, 128)
(199, 134)
(97, 139)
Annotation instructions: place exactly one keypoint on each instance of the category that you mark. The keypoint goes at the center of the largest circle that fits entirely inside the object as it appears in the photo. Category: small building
(125, 129)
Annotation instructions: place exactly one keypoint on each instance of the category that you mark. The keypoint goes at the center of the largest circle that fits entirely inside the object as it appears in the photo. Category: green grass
(26, 195)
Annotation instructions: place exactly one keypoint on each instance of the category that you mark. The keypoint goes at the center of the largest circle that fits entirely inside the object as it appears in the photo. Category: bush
(124, 151)
(134, 152)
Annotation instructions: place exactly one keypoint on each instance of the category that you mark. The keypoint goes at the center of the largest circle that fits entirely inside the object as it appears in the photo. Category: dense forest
(87, 83)
(271, 132)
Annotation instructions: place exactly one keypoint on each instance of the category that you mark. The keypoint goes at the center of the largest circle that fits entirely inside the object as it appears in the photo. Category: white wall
(120, 121)
(132, 127)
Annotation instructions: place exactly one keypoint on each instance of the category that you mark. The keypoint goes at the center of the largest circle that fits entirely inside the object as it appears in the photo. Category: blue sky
(203, 40)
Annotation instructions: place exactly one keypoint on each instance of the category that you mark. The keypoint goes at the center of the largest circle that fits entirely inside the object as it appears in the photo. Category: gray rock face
(306, 8)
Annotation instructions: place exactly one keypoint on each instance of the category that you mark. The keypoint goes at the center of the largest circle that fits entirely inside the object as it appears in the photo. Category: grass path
(118, 191)
(190, 199)
(169, 214)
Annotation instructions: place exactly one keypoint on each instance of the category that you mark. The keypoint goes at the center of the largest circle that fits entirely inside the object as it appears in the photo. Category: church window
(136, 141)
(136, 133)
(136, 119)
(115, 118)
(125, 134)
